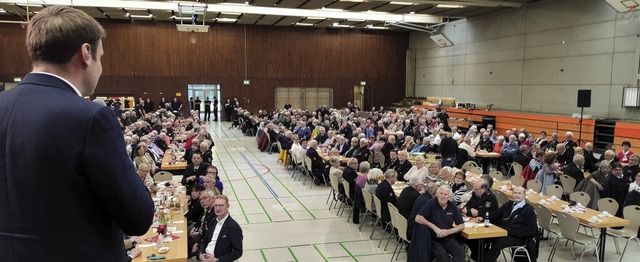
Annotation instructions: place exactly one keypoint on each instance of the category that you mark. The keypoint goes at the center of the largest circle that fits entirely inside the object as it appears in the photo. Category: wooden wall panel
(153, 59)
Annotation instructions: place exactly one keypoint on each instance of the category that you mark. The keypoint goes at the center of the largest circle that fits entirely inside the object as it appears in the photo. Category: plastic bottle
(486, 219)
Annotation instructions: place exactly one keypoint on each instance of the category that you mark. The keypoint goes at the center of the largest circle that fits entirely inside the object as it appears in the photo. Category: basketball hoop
(628, 15)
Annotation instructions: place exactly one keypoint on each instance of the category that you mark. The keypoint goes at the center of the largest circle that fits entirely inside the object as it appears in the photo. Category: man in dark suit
(391, 162)
(403, 165)
(590, 161)
(223, 241)
(522, 156)
(86, 167)
(385, 193)
(317, 164)
(574, 169)
(194, 171)
(350, 174)
(518, 218)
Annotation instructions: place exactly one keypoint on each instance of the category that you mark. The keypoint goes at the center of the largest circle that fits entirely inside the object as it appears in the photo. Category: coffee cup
(605, 213)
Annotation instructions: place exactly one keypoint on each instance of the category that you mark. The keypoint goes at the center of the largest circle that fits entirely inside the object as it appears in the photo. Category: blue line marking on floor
(258, 174)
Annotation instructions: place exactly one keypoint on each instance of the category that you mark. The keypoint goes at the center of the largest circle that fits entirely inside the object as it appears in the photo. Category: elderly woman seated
(335, 167)
(375, 177)
(419, 169)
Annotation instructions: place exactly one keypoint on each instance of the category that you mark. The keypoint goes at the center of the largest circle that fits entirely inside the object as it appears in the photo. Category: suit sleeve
(530, 225)
(113, 177)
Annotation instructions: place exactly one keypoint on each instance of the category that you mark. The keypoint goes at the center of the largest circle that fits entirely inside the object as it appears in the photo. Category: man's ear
(85, 54)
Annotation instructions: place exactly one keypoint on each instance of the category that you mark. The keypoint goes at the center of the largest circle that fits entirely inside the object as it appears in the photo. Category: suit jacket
(344, 147)
(520, 223)
(190, 171)
(229, 242)
(385, 193)
(391, 164)
(84, 169)
(573, 171)
(317, 164)
(402, 168)
(350, 176)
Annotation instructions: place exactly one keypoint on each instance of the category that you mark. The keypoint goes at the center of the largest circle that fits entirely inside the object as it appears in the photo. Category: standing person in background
(228, 110)
(191, 106)
(207, 109)
(196, 105)
(85, 167)
(215, 108)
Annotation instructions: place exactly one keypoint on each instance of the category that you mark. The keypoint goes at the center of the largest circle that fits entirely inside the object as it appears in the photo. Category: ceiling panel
(288, 20)
(388, 8)
(361, 7)
(316, 4)
(92, 11)
(137, 11)
(162, 14)
(342, 5)
(411, 8)
(264, 2)
(268, 20)
(291, 3)
(311, 21)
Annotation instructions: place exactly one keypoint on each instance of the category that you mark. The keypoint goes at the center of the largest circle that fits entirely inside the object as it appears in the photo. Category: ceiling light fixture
(401, 3)
(449, 6)
(303, 24)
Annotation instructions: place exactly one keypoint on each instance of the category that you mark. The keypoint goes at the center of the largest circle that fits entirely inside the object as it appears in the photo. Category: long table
(557, 206)
(474, 230)
(169, 164)
(178, 247)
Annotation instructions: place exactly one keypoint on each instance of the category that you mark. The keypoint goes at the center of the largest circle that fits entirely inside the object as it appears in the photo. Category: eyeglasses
(219, 205)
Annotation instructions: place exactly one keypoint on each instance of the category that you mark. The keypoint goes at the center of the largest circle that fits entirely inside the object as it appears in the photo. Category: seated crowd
(148, 135)
(376, 149)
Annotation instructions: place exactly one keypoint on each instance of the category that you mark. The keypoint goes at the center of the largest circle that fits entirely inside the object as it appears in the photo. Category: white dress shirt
(214, 238)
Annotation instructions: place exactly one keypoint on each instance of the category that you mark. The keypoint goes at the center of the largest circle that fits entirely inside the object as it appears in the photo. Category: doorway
(202, 92)
(358, 96)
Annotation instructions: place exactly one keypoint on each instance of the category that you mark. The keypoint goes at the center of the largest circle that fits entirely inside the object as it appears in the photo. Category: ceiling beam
(246, 9)
(478, 3)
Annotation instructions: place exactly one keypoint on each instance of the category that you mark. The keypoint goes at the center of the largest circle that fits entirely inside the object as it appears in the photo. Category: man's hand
(474, 212)
(135, 253)
(195, 248)
(191, 178)
(207, 258)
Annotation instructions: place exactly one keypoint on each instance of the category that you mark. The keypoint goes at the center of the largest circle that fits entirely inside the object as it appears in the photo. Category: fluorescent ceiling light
(340, 26)
(304, 24)
(141, 16)
(226, 20)
(316, 18)
(236, 4)
(181, 17)
(30, 5)
(356, 20)
(401, 3)
(331, 9)
(229, 13)
(376, 27)
(2, 10)
(449, 6)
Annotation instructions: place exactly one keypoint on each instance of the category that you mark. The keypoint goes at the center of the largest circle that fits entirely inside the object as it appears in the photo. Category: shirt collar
(65, 80)
(221, 221)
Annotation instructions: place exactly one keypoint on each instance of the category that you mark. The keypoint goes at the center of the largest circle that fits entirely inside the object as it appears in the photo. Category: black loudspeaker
(584, 98)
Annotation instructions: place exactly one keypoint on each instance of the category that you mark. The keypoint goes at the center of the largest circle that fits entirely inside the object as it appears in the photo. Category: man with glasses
(199, 230)
(482, 202)
(223, 240)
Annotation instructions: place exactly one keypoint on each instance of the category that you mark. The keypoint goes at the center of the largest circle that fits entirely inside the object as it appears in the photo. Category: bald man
(519, 219)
